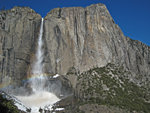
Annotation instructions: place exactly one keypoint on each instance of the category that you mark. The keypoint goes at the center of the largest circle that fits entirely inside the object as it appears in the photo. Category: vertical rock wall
(77, 37)
(18, 33)
(88, 37)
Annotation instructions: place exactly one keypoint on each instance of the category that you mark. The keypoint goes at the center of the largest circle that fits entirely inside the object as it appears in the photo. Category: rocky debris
(19, 28)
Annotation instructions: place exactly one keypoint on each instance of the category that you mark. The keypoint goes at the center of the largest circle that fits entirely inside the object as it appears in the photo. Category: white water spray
(38, 66)
(40, 97)
(38, 80)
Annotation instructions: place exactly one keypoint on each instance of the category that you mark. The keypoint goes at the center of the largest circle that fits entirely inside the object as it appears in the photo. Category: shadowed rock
(19, 28)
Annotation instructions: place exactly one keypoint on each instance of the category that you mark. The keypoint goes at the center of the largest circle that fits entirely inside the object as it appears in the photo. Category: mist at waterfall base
(40, 91)
(53, 91)
(40, 96)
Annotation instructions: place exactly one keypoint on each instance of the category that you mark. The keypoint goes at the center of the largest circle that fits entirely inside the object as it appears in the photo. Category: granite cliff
(104, 66)
(18, 33)
(85, 45)
(88, 37)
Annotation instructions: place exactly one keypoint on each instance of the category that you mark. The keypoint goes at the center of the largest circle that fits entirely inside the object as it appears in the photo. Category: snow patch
(57, 75)
(20, 107)
(59, 109)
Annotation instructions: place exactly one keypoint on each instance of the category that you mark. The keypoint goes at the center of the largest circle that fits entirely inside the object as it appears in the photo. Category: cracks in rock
(58, 34)
(59, 14)
(85, 14)
(2, 66)
(27, 62)
(76, 32)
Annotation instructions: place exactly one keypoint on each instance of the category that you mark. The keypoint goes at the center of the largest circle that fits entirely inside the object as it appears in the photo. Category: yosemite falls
(38, 79)
(74, 59)
(40, 97)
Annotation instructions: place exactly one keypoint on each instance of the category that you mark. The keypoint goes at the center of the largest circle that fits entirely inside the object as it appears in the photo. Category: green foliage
(121, 92)
(7, 106)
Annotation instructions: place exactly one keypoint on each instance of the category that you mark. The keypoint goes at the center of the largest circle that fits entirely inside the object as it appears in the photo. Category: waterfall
(38, 65)
(38, 80)
(41, 97)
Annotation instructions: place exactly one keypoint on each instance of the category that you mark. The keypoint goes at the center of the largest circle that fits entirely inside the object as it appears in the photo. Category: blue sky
(133, 16)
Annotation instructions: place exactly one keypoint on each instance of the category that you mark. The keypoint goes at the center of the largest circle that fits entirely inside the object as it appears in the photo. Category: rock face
(103, 66)
(88, 37)
(76, 37)
(18, 32)
(106, 89)
(80, 40)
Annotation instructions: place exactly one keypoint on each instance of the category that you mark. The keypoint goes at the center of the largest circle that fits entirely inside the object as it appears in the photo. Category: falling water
(40, 97)
(38, 80)
(38, 66)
